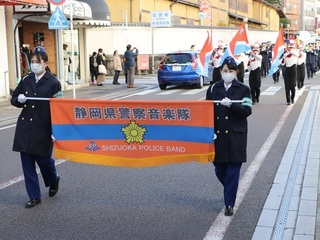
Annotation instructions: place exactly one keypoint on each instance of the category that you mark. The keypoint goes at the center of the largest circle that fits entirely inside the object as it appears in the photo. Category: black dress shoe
(228, 211)
(53, 189)
(32, 202)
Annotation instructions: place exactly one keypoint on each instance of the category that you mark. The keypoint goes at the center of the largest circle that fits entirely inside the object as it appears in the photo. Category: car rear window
(180, 58)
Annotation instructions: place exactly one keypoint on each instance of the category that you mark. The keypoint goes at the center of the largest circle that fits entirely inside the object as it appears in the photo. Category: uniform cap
(228, 61)
(39, 49)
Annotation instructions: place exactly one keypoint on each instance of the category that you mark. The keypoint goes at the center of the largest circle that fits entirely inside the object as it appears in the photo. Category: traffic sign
(57, 2)
(58, 20)
(205, 5)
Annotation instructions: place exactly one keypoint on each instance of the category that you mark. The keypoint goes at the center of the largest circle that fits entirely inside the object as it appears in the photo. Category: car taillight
(160, 66)
(194, 65)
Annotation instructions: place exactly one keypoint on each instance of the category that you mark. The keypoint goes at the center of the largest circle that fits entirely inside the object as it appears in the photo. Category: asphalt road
(172, 202)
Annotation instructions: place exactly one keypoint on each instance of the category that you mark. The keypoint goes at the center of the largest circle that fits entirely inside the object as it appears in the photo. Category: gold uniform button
(26, 92)
(25, 105)
(35, 94)
(226, 118)
(30, 119)
(218, 131)
(32, 106)
(22, 118)
(227, 131)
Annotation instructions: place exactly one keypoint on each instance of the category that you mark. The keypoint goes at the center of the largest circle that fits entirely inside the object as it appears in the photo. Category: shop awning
(22, 2)
(100, 15)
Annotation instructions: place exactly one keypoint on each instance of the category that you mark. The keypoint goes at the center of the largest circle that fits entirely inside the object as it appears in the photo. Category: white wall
(4, 69)
(165, 39)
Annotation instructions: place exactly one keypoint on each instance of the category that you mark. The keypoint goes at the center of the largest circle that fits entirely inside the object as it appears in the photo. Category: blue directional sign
(58, 20)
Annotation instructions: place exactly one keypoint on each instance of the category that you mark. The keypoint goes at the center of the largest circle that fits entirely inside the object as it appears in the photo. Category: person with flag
(204, 58)
(290, 60)
(254, 64)
(230, 128)
(240, 61)
(216, 75)
(277, 53)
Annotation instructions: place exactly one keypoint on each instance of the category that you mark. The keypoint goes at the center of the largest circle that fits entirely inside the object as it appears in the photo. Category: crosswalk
(270, 91)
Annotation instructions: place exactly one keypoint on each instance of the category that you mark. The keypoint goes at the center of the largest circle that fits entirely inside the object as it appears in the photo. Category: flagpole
(210, 22)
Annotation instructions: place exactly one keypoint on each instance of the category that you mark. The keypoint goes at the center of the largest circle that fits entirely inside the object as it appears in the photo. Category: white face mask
(228, 77)
(37, 68)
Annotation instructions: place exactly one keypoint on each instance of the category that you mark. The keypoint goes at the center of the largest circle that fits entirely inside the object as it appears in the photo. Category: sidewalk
(290, 211)
(139, 80)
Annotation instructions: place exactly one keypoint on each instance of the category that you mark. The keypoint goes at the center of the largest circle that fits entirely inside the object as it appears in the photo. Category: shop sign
(31, 8)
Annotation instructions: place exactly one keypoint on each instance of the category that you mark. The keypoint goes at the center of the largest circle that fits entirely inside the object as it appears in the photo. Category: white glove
(22, 98)
(226, 102)
(53, 138)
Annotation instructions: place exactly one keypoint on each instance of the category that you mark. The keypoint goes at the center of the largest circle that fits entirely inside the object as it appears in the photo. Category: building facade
(114, 24)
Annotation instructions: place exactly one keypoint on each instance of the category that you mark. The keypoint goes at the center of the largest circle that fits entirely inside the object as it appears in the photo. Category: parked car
(179, 68)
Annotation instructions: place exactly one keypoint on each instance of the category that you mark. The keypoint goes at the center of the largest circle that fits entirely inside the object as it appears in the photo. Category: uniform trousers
(301, 74)
(310, 70)
(290, 79)
(216, 75)
(240, 73)
(255, 84)
(228, 174)
(47, 169)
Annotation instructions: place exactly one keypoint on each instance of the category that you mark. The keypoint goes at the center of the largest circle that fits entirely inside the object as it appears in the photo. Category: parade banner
(132, 133)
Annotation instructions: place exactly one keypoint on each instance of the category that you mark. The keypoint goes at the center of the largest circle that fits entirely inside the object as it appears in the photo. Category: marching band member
(310, 60)
(231, 129)
(240, 59)
(290, 60)
(301, 72)
(255, 73)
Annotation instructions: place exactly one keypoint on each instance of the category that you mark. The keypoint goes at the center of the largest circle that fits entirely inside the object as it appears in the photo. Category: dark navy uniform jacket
(33, 131)
(230, 123)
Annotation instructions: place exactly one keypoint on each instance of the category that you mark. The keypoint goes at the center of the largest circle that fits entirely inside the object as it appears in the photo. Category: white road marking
(221, 223)
(194, 91)
(271, 91)
(168, 92)
(21, 178)
(6, 127)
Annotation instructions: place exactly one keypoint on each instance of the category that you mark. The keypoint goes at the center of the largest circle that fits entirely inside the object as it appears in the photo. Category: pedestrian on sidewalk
(117, 65)
(231, 129)
(101, 60)
(33, 135)
(93, 67)
(130, 64)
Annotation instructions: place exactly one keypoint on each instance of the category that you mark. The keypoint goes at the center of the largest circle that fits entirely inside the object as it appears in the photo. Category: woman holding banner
(230, 125)
(33, 135)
